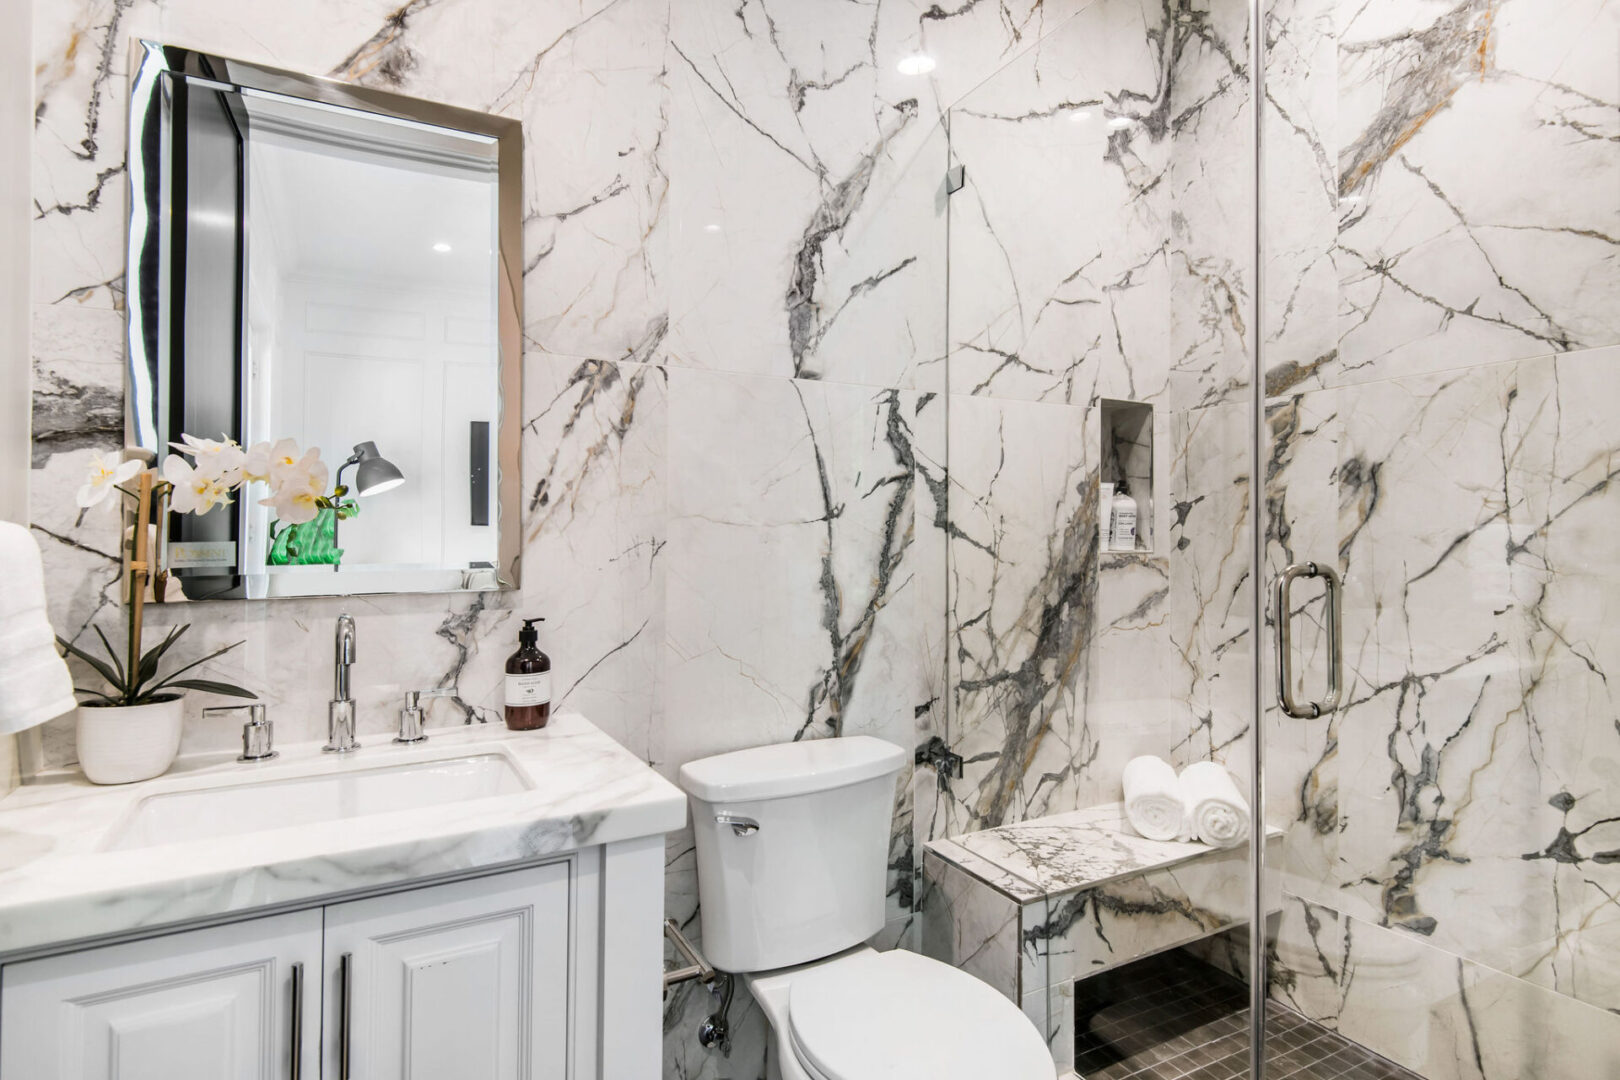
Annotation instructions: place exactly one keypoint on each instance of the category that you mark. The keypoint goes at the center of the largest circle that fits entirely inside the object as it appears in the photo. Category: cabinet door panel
(193, 1006)
(468, 980)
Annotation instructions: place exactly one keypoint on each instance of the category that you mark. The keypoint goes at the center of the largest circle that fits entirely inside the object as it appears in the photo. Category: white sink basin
(178, 816)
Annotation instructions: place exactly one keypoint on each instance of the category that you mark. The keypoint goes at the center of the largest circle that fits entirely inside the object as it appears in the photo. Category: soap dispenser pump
(528, 682)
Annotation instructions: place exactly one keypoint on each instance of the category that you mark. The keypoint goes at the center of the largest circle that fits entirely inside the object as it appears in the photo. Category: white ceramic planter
(125, 743)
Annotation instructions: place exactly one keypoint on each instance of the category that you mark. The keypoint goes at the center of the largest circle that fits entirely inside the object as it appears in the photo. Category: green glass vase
(311, 543)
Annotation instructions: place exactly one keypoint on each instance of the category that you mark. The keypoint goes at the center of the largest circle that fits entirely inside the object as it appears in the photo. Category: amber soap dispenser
(528, 682)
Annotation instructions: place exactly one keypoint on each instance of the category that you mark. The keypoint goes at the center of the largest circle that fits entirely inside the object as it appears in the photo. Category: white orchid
(195, 492)
(278, 462)
(294, 503)
(106, 474)
(220, 459)
(265, 458)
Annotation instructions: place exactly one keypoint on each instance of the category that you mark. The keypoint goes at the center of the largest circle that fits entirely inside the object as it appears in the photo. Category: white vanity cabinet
(199, 1005)
(507, 976)
(462, 980)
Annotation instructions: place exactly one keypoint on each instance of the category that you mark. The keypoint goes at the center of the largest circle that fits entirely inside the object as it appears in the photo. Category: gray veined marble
(59, 883)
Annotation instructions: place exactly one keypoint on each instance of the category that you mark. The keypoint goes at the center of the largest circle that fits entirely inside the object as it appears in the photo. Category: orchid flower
(106, 474)
(195, 492)
(222, 460)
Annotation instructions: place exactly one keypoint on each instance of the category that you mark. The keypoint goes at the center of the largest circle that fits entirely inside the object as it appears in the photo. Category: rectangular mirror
(319, 266)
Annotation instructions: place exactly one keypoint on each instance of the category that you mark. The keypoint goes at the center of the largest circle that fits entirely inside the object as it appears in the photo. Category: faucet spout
(340, 711)
(343, 658)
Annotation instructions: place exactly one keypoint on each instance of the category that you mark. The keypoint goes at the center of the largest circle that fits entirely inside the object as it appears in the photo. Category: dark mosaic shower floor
(1172, 1017)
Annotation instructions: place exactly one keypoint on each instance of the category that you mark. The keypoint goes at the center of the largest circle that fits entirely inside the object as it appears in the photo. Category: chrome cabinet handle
(1285, 641)
(742, 826)
(297, 1069)
(345, 999)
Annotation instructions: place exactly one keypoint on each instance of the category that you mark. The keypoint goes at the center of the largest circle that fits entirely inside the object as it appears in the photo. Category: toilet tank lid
(777, 772)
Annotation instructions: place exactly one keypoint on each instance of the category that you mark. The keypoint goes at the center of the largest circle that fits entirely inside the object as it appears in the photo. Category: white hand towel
(1217, 813)
(1153, 803)
(34, 681)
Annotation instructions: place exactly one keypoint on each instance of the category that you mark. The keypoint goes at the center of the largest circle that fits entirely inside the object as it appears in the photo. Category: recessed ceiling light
(441, 247)
(1080, 117)
(1120, 122)
(711, 228)
(917, 64)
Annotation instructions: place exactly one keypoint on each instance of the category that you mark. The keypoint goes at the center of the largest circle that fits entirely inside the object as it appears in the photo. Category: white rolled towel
(1153, 802)
(1217, 813)
(35, 684)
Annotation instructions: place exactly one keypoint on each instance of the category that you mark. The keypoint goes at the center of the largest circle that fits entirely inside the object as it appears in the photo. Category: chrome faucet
(340, 712)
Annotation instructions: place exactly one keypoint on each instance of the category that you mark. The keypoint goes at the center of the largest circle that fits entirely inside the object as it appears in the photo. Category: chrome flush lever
(742, 826)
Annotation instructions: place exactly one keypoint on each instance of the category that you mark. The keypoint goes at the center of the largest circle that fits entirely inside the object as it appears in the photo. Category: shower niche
(1128, 462)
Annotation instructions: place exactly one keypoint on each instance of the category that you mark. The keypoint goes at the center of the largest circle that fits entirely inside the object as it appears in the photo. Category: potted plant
(130, 730)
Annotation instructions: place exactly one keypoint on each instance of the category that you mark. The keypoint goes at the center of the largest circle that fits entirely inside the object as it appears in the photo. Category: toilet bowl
(866, 1015)
(792, 851)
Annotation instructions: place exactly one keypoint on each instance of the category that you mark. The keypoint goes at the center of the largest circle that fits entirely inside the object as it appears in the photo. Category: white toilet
(792, 848)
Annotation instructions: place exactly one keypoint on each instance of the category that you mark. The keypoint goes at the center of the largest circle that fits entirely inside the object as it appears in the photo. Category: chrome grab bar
(1285, 641)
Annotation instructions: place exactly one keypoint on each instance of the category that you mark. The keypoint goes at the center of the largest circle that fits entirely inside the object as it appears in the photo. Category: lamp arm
(337, 517)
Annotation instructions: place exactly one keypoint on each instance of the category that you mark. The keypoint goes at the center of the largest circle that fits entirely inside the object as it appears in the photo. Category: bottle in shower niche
(1123, 517)
(528, 682)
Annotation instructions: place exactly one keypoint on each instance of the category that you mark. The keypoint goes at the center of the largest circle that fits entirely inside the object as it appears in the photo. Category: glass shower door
(1441, 315)
(1102, 246)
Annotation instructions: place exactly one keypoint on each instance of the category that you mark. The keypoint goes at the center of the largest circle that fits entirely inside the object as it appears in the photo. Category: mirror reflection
(320, 283)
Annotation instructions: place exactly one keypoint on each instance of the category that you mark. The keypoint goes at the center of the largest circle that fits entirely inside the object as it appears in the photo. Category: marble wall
(1094, 258)
(15, 56)
(735, 396)
(1444, 187)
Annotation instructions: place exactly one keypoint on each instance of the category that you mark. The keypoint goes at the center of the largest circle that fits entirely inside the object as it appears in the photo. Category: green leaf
(149, 662)
(169, 678)
(210, 687)
(101, 669)
(95, 693)
(111, 652)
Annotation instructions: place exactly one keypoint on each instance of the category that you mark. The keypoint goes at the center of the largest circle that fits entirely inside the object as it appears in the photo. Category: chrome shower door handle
(1285, 641)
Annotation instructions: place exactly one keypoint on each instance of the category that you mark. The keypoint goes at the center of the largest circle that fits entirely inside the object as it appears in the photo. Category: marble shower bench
(1031, 908)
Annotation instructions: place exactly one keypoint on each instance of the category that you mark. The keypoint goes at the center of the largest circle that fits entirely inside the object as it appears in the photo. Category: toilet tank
(792, 848)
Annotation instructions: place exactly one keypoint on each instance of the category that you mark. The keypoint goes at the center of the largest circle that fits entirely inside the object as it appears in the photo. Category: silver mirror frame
(150, 64)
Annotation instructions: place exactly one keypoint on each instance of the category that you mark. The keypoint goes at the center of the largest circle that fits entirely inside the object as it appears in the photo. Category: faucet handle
(258, 733)
(410, 717)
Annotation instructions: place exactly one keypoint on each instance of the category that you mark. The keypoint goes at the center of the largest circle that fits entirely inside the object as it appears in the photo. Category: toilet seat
(883, 1016)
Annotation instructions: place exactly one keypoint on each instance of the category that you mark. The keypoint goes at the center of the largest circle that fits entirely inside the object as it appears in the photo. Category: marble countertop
(59, 884)
(1033, 860)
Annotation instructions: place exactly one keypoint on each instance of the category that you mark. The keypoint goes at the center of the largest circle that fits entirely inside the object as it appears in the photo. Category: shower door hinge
(955, 179)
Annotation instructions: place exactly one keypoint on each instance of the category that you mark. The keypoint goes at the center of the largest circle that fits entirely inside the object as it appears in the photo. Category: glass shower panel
(1442, 377)
(1101, 272)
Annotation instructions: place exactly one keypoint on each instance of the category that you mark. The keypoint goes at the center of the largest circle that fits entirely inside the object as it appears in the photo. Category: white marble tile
(1051, 1010)
(1459, 794)
(1444, 1017)
(61, 885)
(791, 157)
(1211, 188)
(1435, 127)
(1078, 934)
(1060, 283)
(970, 927)
(1023, 579)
